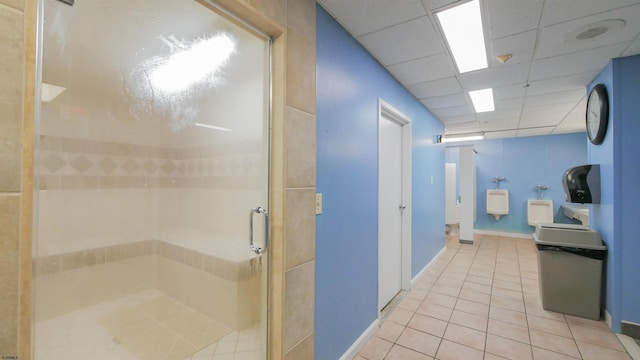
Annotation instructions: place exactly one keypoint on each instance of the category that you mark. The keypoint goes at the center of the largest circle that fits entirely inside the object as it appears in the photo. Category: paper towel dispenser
(581, 184)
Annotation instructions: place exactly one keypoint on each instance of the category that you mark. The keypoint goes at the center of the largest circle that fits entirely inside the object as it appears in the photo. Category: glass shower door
(153, 167)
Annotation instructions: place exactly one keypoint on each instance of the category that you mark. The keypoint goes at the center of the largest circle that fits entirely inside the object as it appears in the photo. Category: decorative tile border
(67, 163)
(226, 269)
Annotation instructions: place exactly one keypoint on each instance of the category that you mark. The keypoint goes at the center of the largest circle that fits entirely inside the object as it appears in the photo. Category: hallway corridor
(481, 301)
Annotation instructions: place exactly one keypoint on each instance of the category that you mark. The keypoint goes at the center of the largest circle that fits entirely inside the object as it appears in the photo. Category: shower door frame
(262, 26)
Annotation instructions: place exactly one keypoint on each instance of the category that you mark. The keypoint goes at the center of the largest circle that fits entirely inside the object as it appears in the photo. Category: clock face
(597, 114)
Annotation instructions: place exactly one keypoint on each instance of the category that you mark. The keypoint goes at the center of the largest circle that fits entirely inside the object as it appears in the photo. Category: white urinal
(497, 203)
(539, 212)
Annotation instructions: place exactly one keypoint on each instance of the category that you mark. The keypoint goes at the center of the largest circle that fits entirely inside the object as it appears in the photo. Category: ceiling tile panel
(508, 104)
(406, 41)
(563, 83)
(433, 88)
(366, 16)
(453, 111)
(520, 46)
(548, 115)
(556, 11)
(462, 128)
(494, 77)
(458, 119)
(509, 17)
(535, 131)
(446, 101)
(571, 96)
(499, 116)
(552, 42)
(575, 120)
(509, 92)
(500, 134)
(576, 63)
(505, 124)
(437, 4)
(634, 48)
(423, 69)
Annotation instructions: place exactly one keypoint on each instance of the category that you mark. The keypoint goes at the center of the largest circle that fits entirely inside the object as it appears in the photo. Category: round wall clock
(597, 114)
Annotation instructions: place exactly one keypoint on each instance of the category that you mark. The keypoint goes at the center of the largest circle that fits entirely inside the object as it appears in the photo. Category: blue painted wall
(524, 163)
(617, 216)
(349, 84)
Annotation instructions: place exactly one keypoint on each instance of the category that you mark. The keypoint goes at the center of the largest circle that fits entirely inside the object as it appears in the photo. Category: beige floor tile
(537, 310)
(472, 307)
(418, 294)
(479, 280)
(419, 341)
(475, 296)
(375, 349)
(507, 278)
(436, 311)
(389, 331)
(453, 351)
(508, 348)
(508, 303)
(506, 293)
(509, 316)
(484, 289)
(508, 285)
(466, 336)
(554, 343)
(400, 316)
(428, 324)
(440, 299)
(409, 303)
(543, 354)
(596, 336)
(469, 320)
(402, 353)
(488, 356)
(595, 352)
(451, 290)
(549, 325)
(595, 324)
(509, 331)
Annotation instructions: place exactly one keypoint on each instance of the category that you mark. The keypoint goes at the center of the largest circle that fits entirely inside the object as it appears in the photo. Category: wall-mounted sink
(575, 212)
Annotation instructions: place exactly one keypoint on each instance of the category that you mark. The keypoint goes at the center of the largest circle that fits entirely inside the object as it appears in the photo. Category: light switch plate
(318, 203)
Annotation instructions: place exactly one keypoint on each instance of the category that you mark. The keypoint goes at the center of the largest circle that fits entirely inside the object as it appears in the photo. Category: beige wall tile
(273, 9)
(11, 70)
(17, 4)
(302, 351)
(9, 225)
(299, 304)
(300, 134)
(301, 19)
(301, 73)
(301, 226)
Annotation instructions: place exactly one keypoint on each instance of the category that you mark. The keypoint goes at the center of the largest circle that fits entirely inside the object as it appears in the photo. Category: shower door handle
(254, 248)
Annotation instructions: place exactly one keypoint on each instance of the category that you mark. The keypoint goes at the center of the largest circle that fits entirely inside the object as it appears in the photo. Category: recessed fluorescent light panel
(462, 27)
(462, 137)
(482, 100)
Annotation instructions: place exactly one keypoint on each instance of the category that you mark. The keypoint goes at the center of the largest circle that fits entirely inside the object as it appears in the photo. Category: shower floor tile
(146, 325)
(163, 328)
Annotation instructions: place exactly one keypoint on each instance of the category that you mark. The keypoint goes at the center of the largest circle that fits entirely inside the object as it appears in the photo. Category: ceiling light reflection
(191, 63)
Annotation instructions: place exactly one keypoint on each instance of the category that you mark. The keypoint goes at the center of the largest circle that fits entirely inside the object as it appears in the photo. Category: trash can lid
(568, 235)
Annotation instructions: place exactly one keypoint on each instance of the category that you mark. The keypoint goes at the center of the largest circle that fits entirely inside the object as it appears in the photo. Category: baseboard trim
(630, 329)
(426, 267)
(608, 319)
(503, 233)
(352, 351)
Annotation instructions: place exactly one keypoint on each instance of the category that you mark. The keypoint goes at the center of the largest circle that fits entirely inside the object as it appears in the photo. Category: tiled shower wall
(293, 175)
(11, 99)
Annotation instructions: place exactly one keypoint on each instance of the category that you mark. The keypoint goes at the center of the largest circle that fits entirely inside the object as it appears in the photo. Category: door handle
(252, 246)
(402, 207)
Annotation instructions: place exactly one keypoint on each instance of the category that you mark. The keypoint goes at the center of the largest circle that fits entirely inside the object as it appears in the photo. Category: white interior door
(390, 208)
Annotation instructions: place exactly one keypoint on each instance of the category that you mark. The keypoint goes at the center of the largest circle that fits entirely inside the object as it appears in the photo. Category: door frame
(388, 111)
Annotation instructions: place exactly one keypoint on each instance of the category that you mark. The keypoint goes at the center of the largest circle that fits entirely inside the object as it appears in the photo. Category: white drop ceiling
(541, 90)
